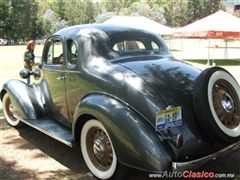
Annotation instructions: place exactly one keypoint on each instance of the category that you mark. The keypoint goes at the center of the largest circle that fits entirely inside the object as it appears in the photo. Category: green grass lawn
(11, 60)
(218, 62)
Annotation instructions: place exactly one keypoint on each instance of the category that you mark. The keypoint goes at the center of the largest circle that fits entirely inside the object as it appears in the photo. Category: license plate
(169, 118)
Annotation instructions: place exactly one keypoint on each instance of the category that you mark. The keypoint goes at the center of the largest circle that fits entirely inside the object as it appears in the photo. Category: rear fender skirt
(135, 142)
(24, 98)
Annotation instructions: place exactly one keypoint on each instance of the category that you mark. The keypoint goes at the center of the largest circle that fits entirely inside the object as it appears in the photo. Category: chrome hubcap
(99, 149)
(9, 110)
(227, 102)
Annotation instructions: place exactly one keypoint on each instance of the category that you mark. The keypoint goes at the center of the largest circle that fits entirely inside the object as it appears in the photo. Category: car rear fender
(135, 142)
(24, 99)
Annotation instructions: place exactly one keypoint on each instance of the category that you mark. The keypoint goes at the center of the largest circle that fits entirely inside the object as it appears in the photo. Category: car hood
(168, 76)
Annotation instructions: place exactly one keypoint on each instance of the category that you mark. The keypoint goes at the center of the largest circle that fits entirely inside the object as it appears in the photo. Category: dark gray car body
(123, 93)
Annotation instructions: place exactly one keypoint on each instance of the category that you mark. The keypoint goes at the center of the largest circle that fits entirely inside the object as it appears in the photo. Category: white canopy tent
(219, 25)
(140, 22)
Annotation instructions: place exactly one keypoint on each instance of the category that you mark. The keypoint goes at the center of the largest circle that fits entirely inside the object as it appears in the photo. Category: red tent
(218, 25)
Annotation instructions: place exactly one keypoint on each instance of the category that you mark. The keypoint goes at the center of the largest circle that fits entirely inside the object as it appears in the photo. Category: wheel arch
(23, 99)
(128, 131)
(79, 124)
(2, 93)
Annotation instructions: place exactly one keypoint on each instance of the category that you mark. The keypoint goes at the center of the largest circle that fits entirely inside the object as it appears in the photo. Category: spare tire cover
(217, 105)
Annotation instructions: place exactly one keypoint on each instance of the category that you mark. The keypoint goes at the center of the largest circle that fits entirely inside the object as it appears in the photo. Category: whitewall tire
(97, 150)
(224, 109)
(9, 113)
(217, 105)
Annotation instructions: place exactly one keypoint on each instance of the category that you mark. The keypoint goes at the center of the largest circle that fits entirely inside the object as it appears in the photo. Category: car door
(54, 69)
(75, 85)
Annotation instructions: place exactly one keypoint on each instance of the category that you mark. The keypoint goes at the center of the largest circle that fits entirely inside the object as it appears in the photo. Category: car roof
(73, 31)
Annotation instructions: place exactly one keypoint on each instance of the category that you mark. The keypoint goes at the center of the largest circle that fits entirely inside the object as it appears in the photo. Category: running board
(51, 128)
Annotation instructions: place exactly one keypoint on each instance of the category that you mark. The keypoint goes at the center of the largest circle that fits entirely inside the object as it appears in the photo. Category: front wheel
(9, 113)
(98, 151)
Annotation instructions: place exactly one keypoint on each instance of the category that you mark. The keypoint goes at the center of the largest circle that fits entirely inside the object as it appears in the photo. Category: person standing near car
(29, 57)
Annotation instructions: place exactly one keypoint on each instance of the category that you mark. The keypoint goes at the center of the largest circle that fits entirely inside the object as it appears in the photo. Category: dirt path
(27, 154)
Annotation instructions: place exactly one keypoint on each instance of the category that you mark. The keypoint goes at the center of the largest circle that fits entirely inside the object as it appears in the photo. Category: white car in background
(3, 42)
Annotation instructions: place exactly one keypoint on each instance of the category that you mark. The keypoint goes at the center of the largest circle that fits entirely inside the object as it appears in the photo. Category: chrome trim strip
(181, 166)
(47, 133)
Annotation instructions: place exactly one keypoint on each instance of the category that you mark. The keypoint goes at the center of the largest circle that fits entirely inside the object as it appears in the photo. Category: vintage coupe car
(119, 93)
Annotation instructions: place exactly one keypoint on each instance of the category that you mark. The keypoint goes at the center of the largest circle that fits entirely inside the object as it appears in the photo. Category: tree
(81, 12)
(3, 16)
(200, 9)
(24, 19)
(59, 7)
(51, 22)
(182, 12)
(152, 11)
(21, 21)
(117, 5)
(179, 13)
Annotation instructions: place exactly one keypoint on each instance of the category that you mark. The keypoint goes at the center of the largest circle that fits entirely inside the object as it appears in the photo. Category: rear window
(135, 45)
(128, 45)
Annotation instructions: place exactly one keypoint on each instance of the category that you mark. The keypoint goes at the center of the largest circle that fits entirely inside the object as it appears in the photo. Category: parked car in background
(120, 94)
(3, 42)
(21, 42)
(40, 41)
(11, 42)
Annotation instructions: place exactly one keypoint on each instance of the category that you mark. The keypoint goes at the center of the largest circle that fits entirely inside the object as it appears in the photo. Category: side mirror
(25, 73)
(40, 66)
(36, 73)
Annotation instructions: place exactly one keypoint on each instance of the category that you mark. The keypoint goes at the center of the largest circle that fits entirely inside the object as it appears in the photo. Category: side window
(55, 53)
(72, 52)
(50, 54)
(155, 46)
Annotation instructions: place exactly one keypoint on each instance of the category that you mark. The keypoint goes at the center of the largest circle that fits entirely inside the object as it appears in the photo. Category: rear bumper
(181, 166)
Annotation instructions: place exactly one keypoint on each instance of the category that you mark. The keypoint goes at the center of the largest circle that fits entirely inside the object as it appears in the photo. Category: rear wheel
(217, 103)
(9, 113)
(98, 151)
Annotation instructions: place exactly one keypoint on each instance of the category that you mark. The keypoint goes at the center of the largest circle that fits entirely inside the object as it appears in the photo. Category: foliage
(197, 9)
(3, 15)
(176, 12)
(21, 19)
(81, 12)
(154, 12)
(25, 19)
(51, 22)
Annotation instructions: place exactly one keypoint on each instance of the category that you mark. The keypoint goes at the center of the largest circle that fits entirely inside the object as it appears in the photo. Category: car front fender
(23, 99)
(135, 141)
